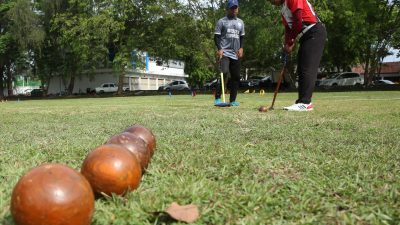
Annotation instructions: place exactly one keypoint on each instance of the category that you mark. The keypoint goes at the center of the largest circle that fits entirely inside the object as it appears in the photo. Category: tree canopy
(70, 38)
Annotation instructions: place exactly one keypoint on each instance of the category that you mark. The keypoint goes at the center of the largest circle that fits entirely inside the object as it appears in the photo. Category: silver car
(343, 79)
(178, 85)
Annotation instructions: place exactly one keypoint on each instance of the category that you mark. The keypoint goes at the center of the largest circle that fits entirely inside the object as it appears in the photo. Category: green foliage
(264, 32)
(74, 37)
(24, 24)
(5, 35)
(20, 32)
(5, 40)
(82, 35)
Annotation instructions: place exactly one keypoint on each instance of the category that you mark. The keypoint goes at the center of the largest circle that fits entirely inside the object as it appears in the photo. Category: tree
(19, 31)
(358, 32)
(131, 22)
(48, 60)
(383, 22)
(80, 35)
(83, 33)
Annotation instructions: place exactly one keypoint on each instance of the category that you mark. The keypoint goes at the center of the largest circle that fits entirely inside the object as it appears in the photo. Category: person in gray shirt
(228, 36)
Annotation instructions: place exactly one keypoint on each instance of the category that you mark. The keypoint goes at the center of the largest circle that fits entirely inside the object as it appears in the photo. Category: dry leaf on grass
(184, 213)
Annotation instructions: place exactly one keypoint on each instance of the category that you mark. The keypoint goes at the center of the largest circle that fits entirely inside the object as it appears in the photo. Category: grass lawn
(339, 164)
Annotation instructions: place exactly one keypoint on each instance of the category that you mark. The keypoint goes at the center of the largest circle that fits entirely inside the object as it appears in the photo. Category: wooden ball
(134, 144)
(112, 169)
(52, 194)
(144, 134)
(263, 109)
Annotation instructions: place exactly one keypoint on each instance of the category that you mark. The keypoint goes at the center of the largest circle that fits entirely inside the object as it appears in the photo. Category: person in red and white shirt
(302, 24)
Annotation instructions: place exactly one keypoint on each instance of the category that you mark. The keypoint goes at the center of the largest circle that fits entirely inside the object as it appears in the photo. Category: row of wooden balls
(55, 194)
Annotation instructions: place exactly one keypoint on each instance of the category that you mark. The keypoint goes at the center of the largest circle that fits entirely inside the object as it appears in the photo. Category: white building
(22, 85)
(153, 74)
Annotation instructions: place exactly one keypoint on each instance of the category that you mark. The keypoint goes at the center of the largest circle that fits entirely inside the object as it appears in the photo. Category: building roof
(390, 67)
(387, 68)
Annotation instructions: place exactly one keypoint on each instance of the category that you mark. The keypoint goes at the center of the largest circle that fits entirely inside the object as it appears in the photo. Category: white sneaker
(300, 107)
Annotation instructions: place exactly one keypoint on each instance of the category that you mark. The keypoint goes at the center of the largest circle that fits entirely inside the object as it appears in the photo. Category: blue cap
(233, 3)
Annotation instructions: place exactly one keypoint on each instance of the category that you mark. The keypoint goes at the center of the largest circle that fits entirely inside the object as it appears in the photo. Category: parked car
(383, 82)
(27, 92)
(266, 82)
(37, 93)
(342, 79)
(245, 84)
(109, 88)
(210, 85)
(255, 80)
(177, 85)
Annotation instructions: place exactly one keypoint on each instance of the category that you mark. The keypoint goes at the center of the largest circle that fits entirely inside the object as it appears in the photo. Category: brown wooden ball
(52, 194)
(112, 169)
(145, 134)
(263, 109)
(134, 144)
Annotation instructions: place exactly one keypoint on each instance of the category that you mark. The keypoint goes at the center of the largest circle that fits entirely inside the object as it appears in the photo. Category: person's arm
(240, 51)
(241, 42)
(217, 41)
(291, 34)
(288, 39)
(218, 37)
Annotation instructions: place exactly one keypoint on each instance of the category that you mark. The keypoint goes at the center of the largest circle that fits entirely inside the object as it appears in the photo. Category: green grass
(339, 164)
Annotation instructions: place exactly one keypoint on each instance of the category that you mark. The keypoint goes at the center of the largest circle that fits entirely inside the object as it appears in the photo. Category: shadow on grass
(161, 218)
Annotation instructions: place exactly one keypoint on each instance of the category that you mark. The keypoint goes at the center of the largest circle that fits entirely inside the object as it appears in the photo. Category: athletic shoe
(301, 107)
(235, 103)
(217, 101)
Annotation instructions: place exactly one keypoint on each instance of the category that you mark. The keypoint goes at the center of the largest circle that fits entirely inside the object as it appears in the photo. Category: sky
(393, 57)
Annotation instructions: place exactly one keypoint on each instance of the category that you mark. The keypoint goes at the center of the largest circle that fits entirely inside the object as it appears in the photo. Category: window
(350, 75)
(340, 77)
(354, 75)
(346, 75)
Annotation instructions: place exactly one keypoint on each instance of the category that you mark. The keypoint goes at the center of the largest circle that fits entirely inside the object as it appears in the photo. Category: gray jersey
(230, 30)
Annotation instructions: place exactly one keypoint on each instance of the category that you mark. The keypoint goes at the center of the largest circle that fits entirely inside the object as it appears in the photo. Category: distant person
(229, 35)
(302, 23)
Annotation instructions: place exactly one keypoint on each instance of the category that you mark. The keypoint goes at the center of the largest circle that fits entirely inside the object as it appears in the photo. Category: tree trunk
(9, 81)
(46, 91)
(1, 82)
(372, 71)
(374, 59)
(121, 82)
(380, 68)
(71, 84)
(366, 72)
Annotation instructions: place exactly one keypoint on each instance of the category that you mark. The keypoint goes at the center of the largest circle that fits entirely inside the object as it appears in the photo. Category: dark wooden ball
(145, 134)
(263, 109)
(112, 169)
(52, 194)
(134, 144)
